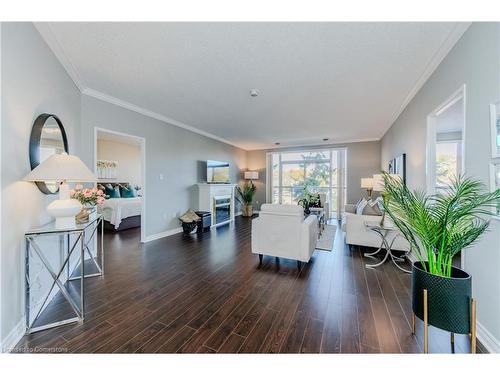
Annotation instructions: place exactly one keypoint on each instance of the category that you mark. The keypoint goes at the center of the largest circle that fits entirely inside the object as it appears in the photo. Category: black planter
(449, 298)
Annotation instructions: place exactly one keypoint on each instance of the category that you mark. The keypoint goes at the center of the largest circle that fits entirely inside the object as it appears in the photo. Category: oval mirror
(47, 138)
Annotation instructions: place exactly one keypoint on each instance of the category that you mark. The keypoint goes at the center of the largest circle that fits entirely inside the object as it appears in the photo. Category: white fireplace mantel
(207, 195)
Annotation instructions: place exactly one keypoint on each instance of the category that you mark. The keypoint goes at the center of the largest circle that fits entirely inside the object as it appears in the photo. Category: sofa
(281, 231)
(356, 233)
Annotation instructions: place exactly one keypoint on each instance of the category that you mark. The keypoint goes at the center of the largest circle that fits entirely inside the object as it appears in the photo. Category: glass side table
(383, 232)
(82, 241)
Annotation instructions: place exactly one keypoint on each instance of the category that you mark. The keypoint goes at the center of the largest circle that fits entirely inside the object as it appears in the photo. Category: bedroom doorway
(120, 165)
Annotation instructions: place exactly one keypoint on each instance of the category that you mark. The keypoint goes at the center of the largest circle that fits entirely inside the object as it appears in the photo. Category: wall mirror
(47, 138)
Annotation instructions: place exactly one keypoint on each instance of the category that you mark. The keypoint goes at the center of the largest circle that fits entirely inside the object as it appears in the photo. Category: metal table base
(83, 242)
(384, 244)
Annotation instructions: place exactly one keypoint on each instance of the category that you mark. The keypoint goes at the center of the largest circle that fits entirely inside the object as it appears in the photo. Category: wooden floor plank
(206, 293)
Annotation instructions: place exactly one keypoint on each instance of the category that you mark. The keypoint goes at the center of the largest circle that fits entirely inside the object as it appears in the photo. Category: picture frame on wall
(495, 129)
(495, 181)
(398, 166)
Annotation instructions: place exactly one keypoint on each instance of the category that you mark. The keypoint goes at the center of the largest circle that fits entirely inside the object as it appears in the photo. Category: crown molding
(146, 112)
(431, 66)
(339, 143)
(48, 35)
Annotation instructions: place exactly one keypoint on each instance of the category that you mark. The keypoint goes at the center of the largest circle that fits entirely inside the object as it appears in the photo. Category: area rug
(325, 242)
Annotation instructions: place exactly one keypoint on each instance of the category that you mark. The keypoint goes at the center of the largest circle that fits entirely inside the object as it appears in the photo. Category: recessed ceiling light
(277, 143)
(325, 139)
(254, 93)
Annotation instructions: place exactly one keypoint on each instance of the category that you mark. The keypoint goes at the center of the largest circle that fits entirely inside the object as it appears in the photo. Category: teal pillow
(112, 192)
(127, 192)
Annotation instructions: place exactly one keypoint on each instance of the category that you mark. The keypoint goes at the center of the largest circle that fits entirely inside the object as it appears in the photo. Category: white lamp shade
(378, 181)
(61, 167)
(251, 175)
(367, 183)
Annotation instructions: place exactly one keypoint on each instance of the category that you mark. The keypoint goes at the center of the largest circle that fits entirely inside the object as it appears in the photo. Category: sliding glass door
(321, 171)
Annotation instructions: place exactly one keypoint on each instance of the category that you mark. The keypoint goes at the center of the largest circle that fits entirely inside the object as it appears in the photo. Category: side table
(383, 232)
(82, 242)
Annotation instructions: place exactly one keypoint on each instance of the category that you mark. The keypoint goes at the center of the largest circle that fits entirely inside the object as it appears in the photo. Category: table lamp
(379, 185)
(62, 168)
(367, 184)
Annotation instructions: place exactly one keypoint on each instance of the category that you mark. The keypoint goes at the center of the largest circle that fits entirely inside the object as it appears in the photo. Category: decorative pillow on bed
(127, 191)
(112, 191)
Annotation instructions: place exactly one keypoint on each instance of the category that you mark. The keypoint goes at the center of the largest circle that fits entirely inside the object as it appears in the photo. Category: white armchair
(281, 231)
(356, 233)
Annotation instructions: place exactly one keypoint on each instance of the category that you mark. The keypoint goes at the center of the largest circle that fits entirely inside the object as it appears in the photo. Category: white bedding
(115, 210)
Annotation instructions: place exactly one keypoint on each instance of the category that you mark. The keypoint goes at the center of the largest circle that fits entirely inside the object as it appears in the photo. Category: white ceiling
(342, 81)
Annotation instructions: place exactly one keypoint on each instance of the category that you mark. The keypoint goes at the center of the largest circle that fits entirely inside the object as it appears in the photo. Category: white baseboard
(13, 337)
(167, 233)
(490, 343)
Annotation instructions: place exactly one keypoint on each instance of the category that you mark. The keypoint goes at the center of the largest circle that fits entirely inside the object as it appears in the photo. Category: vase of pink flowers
(89, 198)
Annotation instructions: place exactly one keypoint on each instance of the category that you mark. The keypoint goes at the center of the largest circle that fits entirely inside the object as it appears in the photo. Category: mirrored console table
(79, 240)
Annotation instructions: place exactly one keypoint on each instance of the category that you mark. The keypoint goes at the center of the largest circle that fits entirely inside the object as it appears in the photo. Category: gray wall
(176, 153)
(33, 82)
(363, 160)
(473, 61)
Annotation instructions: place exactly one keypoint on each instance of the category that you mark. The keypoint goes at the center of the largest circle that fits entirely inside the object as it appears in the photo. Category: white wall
(175, 153)
(128, 158)
(473, 61)
(33, 82)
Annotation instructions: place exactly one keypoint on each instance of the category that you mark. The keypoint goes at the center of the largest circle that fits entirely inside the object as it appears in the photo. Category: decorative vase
(246, 210)
(85, 214)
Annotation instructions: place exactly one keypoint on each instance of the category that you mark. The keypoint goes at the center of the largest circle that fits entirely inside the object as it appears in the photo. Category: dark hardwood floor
(206, 294)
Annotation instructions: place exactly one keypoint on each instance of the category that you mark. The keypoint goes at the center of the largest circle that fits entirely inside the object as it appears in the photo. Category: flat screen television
(217, 172)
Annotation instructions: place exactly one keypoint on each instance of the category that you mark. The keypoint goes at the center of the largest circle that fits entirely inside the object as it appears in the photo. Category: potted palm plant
(245, 197)
(437, 228)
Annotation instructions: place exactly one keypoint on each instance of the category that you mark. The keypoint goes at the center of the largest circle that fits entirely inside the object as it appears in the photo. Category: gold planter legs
(473, 326)
(473, 332)
(426, 324)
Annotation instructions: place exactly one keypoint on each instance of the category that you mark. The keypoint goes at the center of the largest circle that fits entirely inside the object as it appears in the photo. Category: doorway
(445, 157)
(120, 167)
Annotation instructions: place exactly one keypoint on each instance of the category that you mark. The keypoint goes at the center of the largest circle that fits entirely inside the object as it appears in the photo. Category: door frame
(142, 142)
(430, 169)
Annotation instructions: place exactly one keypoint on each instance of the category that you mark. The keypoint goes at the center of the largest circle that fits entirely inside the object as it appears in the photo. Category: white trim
(142, 142)
(490, 343)
(50, 38)
(14, 336)
(146, 112)
(166, 233)
(314, 145)
(438, 57)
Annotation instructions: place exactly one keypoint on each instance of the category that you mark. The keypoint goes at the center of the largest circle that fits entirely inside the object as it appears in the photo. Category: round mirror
(47, 138)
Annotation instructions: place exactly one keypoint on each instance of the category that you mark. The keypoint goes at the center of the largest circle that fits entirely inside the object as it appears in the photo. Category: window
(448, 162)
(321, 171)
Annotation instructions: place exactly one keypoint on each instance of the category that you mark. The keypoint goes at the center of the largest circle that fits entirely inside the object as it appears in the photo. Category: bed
(121, 213)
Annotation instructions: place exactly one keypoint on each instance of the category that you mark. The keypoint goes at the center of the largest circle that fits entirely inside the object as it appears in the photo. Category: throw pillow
(127, 191)
(112, 191)
(361, 206)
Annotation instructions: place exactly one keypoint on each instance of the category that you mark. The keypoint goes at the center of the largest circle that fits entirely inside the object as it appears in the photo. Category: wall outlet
(165, 217)
(175, 215)
(161, 176)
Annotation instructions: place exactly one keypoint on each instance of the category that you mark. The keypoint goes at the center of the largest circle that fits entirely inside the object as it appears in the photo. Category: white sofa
(356, 233)
(281, 231)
